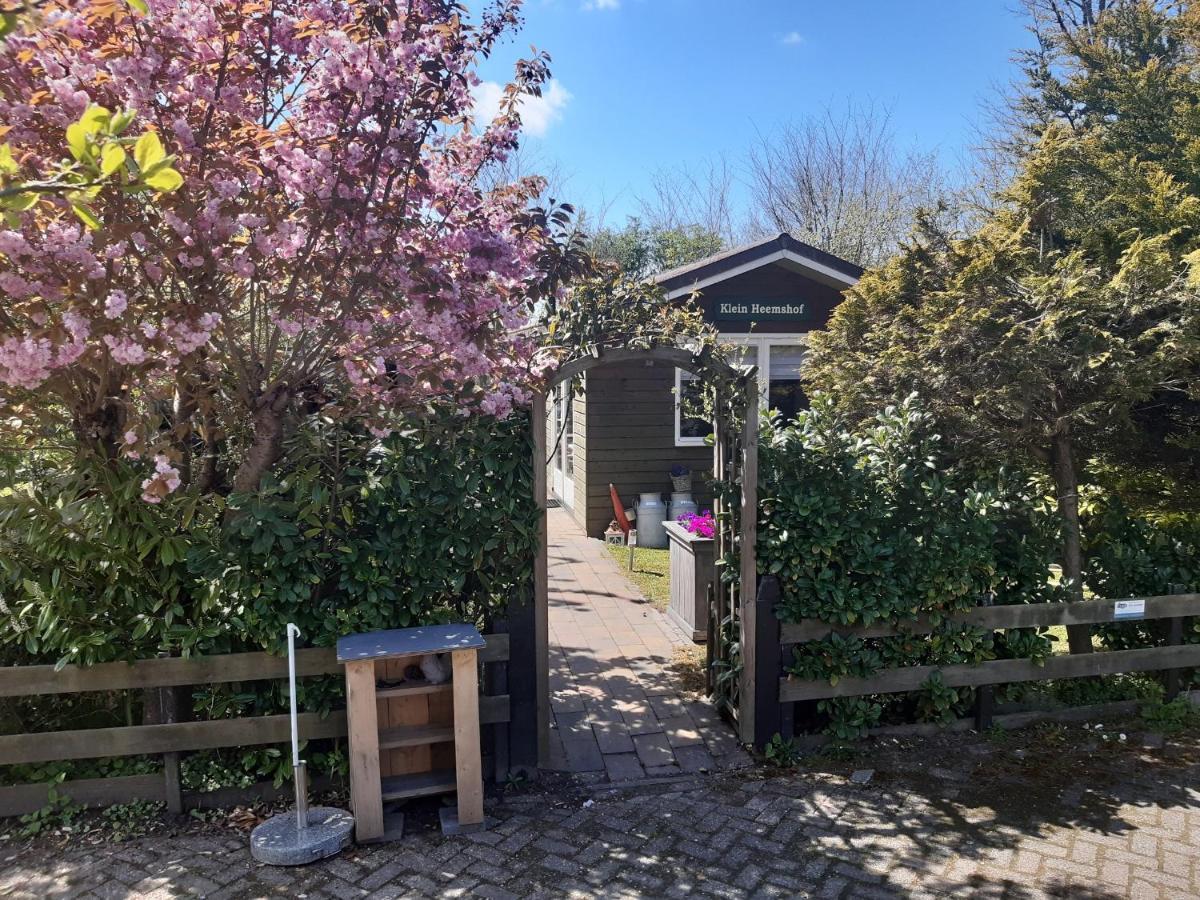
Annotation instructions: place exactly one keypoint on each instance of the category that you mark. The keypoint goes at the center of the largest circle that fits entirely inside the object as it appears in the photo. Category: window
(779, 358)
(784, 394)
(690, 430)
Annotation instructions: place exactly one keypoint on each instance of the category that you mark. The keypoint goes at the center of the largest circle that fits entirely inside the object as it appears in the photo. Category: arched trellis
(731, 452)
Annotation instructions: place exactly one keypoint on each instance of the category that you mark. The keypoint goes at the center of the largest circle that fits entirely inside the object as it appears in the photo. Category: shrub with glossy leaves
(875, 526)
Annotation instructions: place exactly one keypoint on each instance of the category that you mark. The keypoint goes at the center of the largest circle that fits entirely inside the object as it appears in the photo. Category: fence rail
(173, 737)
(777, 640)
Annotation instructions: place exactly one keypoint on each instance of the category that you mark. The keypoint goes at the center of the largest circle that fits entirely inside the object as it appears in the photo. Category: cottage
(628, 427)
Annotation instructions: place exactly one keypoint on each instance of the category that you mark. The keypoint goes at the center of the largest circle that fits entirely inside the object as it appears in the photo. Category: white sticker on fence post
(1129, 609)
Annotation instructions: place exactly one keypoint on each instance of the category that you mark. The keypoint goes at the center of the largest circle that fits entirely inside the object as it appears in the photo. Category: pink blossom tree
(331, 246)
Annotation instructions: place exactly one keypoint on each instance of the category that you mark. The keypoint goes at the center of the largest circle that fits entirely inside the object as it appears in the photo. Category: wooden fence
(778, 692)
(508, 748)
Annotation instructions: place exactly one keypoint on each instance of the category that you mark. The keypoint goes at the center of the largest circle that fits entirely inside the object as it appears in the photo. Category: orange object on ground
(622, 520)
(619, 511)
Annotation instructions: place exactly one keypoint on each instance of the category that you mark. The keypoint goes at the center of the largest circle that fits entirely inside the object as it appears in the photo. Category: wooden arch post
(535, 622)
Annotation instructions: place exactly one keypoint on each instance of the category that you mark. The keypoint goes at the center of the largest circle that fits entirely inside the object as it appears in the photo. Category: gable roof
(782, 249)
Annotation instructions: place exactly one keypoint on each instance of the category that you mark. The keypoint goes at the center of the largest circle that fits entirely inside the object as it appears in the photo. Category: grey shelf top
(409, 642)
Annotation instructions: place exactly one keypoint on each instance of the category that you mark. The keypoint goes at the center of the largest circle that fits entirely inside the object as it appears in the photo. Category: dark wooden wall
(625, 434)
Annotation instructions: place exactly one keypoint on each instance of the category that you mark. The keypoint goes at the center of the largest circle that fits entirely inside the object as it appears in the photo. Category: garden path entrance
(625, 695)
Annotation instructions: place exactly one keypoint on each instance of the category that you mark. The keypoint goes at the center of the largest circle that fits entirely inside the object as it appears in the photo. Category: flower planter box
(693, 569)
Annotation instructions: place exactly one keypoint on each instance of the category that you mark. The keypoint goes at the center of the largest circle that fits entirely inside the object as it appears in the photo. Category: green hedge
(878, 525)
(434, 524)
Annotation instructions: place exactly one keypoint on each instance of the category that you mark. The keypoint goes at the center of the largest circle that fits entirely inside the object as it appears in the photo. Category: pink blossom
(165, 480)
(115, 305)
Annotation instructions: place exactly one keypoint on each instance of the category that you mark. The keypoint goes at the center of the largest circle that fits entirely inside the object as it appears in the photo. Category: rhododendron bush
(328, 244)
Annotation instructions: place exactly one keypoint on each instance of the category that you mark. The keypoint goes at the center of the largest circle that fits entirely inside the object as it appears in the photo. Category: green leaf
(148, 151)
(77, 140)
(86, 215)
(95, 118)
(122, 120)
(111, 159)
(21, 202)
(8, 165)
(139, 6)
(165, 180)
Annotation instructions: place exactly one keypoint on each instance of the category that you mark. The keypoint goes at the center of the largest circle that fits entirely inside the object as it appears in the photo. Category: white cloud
(537, 113)
(792, 39)
(590, 5)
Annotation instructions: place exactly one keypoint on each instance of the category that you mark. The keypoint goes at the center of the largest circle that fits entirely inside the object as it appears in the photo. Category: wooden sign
(759, 310)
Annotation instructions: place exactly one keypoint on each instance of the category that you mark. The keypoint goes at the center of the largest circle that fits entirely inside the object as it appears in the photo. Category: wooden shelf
(422, 784)
(412, 690)
(415, 736)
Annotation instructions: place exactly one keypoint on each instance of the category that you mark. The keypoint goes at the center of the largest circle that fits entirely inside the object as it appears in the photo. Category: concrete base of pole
(278, 841)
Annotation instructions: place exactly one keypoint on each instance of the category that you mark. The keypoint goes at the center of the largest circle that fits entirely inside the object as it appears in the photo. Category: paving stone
(623, 766)
(694, 759)
(681, 731)
(613, 737)
(653, 749)
(583, 754)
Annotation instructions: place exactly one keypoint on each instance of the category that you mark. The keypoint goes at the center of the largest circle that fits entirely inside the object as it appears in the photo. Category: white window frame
(762, 344)
(680, 439)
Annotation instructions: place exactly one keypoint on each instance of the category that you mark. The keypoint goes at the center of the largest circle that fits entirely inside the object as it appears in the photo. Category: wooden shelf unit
(359, 654)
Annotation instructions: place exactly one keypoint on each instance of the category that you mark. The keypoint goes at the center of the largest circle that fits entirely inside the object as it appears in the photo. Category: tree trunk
(268, 440)
(99, 428)
(1079, 637)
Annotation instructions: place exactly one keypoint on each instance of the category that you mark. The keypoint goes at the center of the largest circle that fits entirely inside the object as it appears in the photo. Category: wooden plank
(1086, 612)
(421, 784)
(541, 592)
(496, 649)
(410, 690)
(894, 681)
(224, 798)
(363, 721)
(767, 655)
(21, 681)
(91, 743)
(415, 735)
(467, 764)
(19, 799)
(135, 740)
(748, 574)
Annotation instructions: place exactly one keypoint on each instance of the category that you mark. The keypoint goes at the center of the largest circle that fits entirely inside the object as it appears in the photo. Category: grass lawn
(651, 572)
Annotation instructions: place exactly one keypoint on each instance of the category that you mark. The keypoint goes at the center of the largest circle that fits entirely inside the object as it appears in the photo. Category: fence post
(985, 695)
(710, 644)
(523, 689)
(767, 662)
(496, 680)
(1174, 639)
(162, 708)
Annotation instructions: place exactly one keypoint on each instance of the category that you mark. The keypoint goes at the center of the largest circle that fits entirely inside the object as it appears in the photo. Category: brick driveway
(948, 816)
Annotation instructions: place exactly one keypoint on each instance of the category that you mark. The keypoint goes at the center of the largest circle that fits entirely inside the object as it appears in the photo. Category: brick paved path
(1127, 827)
(618, 712)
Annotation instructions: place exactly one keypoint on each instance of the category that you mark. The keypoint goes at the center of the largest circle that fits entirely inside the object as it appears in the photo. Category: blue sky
(642, 85)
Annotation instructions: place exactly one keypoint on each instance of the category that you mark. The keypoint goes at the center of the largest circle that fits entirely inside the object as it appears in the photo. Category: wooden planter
(693, 569)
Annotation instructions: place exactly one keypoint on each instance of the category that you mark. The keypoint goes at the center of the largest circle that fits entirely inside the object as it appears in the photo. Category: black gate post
(522, 690)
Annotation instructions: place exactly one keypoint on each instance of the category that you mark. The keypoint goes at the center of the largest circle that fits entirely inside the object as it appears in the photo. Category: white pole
(292, 633)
